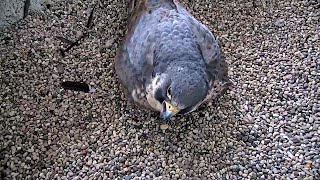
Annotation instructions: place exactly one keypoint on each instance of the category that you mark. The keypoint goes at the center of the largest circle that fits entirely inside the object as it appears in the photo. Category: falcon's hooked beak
(168, 110)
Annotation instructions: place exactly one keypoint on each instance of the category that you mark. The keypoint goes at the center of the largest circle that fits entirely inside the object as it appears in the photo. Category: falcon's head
(180, 90)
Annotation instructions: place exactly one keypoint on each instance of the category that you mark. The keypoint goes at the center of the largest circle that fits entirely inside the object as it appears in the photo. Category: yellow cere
(173, 109)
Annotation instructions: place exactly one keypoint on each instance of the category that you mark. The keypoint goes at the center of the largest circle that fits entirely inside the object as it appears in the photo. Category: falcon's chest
(151, 89)
(145, 95)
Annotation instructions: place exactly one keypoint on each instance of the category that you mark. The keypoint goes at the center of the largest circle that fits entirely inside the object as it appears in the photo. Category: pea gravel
(266, 127)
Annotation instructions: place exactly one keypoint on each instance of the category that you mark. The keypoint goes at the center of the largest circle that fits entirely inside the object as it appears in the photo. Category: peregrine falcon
(169, 61)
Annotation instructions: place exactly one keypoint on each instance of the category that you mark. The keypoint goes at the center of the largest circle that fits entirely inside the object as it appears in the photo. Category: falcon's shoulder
(209, 45)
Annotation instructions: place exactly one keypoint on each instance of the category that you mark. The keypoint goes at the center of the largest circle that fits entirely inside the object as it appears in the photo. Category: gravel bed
(266, 127)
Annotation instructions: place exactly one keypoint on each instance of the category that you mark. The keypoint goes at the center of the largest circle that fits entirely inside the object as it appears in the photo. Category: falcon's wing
(211, 52)
(209, 45)
(134, 60)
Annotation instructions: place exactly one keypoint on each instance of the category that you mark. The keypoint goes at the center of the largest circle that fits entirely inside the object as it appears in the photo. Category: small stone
(280, 22)
(127, 177)
(13, 149)
(308, 165)
(164, 126)
(89, 162)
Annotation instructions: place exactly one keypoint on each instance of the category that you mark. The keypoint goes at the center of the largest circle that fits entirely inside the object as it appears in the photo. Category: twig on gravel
(72, 44)
(89, 24)
(77, 86)
(26, 8)
(65, 40)
(63, 51)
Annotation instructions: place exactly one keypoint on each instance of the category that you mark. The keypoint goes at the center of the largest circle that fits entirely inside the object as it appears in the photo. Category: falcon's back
(158, 32)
